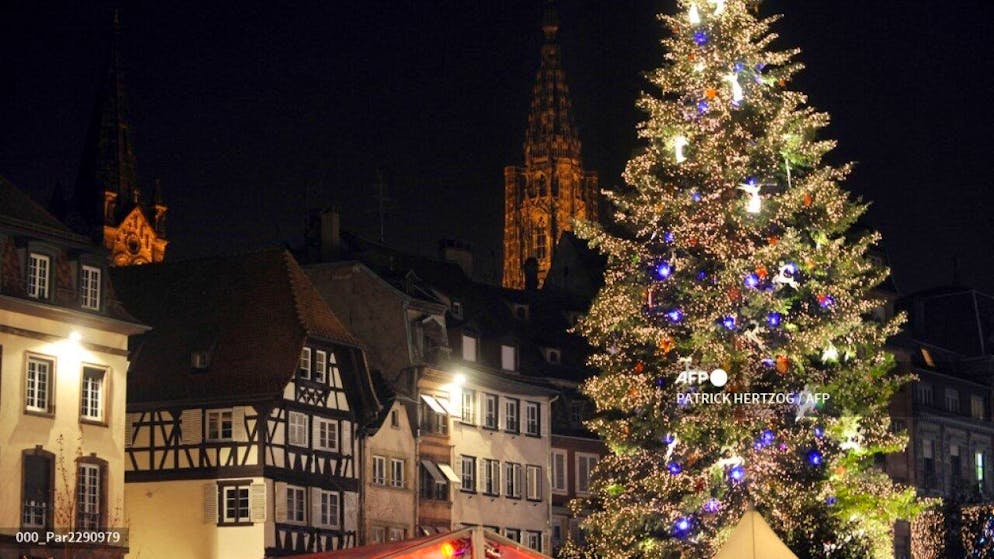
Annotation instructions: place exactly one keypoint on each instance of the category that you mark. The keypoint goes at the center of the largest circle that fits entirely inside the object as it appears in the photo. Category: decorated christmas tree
(740, 363)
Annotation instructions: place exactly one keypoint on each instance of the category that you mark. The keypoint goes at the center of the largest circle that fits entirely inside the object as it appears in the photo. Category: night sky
(250, 112)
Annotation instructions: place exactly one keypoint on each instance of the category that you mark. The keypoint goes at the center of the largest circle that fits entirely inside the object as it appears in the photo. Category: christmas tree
(733, 272)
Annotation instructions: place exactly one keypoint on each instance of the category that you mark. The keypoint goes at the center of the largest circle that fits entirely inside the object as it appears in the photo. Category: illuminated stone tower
(542, 198)
(107, 202)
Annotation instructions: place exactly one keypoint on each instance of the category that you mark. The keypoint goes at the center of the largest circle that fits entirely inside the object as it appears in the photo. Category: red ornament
(808, 199)
(639, 367)
(666, 345)
(783, 364)
(711, 93)
(762, 272)
(774, 240)
(734, 294)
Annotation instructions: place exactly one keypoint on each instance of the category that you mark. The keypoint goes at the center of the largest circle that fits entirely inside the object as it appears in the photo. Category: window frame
(325, 500)
(379, 474)
(223, 517)
(513, 534)
(30, 403)
(394, 462)
(529, 534)
(102, 392)
(332, 427)
(468, 396)
(94, 485)
(38, 287)
(585, 458)
(319, 367)
(533, 476)
(46, 501)
(512, 480)
(491, 477)
(489, 399)
(564, 470)
(516, 416)
(291, 504)
(467, 475)
(220, 415)
(90, 280)
(474, 343)
(504, 349)
(529, 406)
(952, 401)
(304, 364)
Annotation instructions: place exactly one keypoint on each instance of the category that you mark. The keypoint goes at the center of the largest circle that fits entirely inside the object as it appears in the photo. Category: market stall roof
(493, 546)
(754, 539)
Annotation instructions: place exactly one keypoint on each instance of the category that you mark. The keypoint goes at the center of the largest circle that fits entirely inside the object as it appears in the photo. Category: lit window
(305, 363)
(468, 473)
(297, 429)
(39, 267)
(89, 288)
(511, 420)
(980, 468)
(219, 425)
(396, 472)
(540, 241)
(88, 497)
(320, 365)
(469, 406)
(236, 503)
(329, 509)
(559, 477)
(533, 482)
(532, 421)
(584, 469)
(490, 411)
(92, 394)
(508, 358)
(379, 470)
(468, 348)
(327, 434)
(38, 384)
(295, 504)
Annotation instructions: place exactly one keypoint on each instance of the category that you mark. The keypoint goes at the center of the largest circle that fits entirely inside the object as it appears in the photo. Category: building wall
(564, 524)
(21, 430)
(171, 521)
(387, 506)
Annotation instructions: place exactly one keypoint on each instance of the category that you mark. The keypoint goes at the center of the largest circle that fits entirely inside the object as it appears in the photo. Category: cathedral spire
(106, 187)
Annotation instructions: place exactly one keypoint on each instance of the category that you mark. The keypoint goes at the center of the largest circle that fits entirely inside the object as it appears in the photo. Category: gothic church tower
(542, 198)
(107, 203)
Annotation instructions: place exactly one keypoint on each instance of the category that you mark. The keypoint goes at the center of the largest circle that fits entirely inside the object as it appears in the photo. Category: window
(952, 400)
(305, 363)
(559, 478)
(457, 310)
(534, 540)
(334, 376)
(328, 504)
(379, 470)
(923, 393)
(89, 288)
(219, 425)
(320, 365)
(468, 347)
(977, 407)
(532, 422)
(38, 384)
(491, 477)
(397, 472)
(92, 394)
(584, 469)
(469, 406)
(295, 503)
(540, 241)
(576, 412)
(533, 482)
(512, 534)
(468, 474)
(512, 477)
(397, 534)
(955, 464)
(236, 503)
(511, 415)
(327, 434)
(433, 418)
(552, 356)
(979, 468)
(88, 497)
(508, 359)
(490, 411)
(36, 491)
(38, 275)
(297, 428)
(379, 534)
(432, 487)
(395, 419)
(928, 464)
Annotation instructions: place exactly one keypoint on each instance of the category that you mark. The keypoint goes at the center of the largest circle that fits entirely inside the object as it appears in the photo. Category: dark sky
(249, 112)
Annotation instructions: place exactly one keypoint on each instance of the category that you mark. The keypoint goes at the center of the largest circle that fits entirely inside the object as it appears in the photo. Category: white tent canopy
(754, 539)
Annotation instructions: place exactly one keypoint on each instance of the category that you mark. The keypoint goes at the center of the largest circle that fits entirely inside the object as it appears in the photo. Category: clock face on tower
(134, 244)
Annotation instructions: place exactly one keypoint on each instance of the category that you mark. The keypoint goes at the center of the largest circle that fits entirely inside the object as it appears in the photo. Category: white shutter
(315, 432)
(238, 424)
(316, 507)
(345, 444)
(210, 503)
(280, 492)
(481, 467)
(351, 510)
(191, 426)
(129, 428)
(257, 502)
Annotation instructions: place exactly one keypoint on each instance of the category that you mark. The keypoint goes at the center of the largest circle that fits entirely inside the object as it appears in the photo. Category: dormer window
(552, 355)
(508, 358)
(39, 273)
(305, 363)
(469, 347)
(457, 310)
(89, 288)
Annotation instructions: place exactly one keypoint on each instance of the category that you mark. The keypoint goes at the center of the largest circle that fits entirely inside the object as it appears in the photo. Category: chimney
(331, 235)
(531, 274)
(460, 252)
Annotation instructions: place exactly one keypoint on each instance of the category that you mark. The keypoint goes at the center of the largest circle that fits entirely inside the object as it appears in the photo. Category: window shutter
(345, 444)
(192, 426)
(257, 502)
(280, 491)
(481, 483)
(315, 431)
(316, 507)
(238, 424)
(351, 510)
(210, 503)
(129, 428)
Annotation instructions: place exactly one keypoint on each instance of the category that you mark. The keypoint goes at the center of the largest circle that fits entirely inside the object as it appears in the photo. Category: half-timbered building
(244, 406)
(63, 376)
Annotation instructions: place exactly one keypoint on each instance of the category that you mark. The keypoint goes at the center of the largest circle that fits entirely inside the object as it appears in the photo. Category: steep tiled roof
(250, 313)
(17, 208)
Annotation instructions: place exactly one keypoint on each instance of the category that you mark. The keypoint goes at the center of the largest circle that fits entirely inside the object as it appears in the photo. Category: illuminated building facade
(542, 198)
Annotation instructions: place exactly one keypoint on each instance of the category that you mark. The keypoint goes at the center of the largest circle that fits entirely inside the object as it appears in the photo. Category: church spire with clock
(542, 198)
(107, 203)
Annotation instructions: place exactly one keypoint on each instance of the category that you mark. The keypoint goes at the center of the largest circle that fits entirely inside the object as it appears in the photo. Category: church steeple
(107, 202)
(552, 189)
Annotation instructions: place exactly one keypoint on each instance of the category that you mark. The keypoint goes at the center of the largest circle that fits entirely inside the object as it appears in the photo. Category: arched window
(37, 484)
(540, 241)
